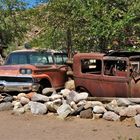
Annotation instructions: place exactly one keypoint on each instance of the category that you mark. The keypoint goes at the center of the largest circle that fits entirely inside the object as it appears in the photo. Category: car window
(65, 58)
(92, 66)
(50, 59)
(17, 59)
(60, 58)
(135, 66)
(115, 68)
(35, 58)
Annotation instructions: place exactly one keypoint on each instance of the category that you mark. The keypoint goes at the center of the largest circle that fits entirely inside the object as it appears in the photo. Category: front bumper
(18, 84)
(20, 87)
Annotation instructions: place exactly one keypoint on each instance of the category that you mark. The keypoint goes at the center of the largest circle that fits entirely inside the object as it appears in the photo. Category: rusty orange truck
(33, 70)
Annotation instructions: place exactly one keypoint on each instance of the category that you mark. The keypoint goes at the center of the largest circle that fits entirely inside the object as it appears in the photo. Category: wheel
(82, 89)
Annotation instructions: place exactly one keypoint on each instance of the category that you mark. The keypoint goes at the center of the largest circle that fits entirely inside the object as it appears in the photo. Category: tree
(95, 25)
(12, 25)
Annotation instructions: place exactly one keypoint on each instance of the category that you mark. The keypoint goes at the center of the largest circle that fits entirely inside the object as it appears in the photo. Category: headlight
(25, 71)
(28, 71)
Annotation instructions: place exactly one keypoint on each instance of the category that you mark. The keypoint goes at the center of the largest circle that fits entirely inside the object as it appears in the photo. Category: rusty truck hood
(13, 70)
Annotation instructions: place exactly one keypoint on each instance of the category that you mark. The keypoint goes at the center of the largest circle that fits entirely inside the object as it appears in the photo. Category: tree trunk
(103, 44)
(69, 43)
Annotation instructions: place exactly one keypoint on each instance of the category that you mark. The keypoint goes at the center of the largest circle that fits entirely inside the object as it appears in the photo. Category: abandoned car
(116, 74)
(33, 70)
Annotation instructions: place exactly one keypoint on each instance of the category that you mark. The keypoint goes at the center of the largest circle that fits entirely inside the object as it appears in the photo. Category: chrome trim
(18, 86)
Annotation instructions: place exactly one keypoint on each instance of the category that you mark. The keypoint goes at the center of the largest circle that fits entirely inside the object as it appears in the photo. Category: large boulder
(18, 111)
(91, 104)
(80, 96)
(111, 116)
(86, 114)
(48, 91)
(96, 103)
(111, 106)
(64, 110)
(21, 95)
(37, 108)
(24, 100)
(52, 107)
(77, 110)
(39, 98)
(16, 104)
(76, 97)
(6, 106)
(97, 116)
(70, 96)
(65, 92)
(55, 96)
(137, 120)
(30, 95)
(130, 111)
(118, 109)
(82, 103)
(26, 107)
(1, 97)
(99, 109)
(70, 85)
(138, 109)
(124, 102)
(134, 100)
(74, 105)
(57, 102)
(8, 98)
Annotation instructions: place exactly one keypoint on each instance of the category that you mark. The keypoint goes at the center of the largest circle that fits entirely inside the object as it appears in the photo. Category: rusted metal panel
(117, 75)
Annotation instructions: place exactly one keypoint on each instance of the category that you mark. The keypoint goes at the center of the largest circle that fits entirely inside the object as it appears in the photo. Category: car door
(135, 76)
(115, 81)
(61, 68)
(88, 75)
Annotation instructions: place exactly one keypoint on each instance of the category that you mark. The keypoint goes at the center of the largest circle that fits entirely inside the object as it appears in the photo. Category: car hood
(12, 70)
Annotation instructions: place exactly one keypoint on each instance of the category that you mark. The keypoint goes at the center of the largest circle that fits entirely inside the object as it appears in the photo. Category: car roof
(25, 50)
(38, 50)
(123, 53)
(89, 54)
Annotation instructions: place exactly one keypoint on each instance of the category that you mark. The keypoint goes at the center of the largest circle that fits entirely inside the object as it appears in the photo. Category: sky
(30, 2)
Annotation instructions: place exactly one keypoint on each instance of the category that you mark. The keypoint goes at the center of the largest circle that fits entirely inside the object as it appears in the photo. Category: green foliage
(12, 24)
(84, 25)
(96, 25)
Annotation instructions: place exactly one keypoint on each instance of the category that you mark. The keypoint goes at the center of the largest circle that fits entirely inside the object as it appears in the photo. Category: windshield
(35, 58)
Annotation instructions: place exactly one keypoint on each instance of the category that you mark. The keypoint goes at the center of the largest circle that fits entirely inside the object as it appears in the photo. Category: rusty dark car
(115, 74)
(33, 70)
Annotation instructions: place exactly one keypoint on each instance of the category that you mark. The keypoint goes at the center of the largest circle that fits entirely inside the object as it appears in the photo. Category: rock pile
(71, 103)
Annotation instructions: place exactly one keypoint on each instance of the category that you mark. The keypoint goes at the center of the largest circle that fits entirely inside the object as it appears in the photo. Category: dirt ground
(49, 127)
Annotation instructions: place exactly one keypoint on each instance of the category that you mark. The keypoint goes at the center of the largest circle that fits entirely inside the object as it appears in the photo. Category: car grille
(16, 79)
